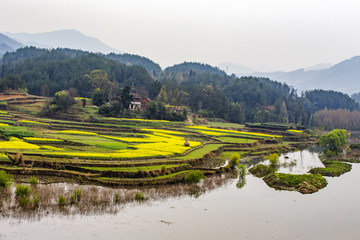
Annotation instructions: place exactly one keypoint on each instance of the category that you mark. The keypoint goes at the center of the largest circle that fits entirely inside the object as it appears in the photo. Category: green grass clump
(35, 201)
(116, 198)
(22, 190)
(139, 196)
(76, 196)
(33, 180)
(234, 160)
(332, 168)
(61, 200)
(274, 159)
(194, 176)
(5, 179)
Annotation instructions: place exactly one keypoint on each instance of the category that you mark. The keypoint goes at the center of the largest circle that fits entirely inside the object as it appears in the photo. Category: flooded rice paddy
(214, 209)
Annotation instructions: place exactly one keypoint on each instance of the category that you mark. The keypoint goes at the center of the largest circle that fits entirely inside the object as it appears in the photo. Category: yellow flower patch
(51, 148)
(17, 144)
(35, 139)
(3, 112)
(200, 128)
(212, 133)
(146, 138)
(294, 131)
(4, 125)
(77, 132)
(149, 145)
(164, 131)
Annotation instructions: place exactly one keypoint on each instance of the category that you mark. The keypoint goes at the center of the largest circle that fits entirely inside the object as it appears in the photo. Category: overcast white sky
(277, 35)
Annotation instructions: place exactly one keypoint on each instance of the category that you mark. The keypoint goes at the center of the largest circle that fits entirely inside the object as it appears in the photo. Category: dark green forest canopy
(204, 89)
(129, 59)
(193, 68)
(52, 71)
(321, 99)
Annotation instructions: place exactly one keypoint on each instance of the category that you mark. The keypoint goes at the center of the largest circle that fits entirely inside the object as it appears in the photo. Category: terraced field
(120, 151)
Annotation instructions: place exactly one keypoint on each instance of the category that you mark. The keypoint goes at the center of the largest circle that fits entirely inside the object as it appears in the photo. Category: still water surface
(252, 212)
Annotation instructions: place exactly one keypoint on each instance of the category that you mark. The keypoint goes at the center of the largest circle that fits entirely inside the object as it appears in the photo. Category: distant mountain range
(238, 70)
(70, 41)
(8, 45)
(62, 39)
(343, 77)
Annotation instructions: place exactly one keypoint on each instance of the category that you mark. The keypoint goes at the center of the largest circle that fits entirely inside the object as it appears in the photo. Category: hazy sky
(277, 35)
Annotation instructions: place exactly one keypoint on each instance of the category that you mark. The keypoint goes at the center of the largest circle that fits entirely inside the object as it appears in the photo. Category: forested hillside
(321, 99)
(191, 67)
(45, 72)
(129, 59)
(204, 89)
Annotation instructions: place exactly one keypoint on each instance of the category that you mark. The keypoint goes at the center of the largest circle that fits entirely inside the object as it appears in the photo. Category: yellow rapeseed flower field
(146, 145)
(200, 128)
(51, 148)
(36, 139)
(164, 131)
(17, 144)
(73, 132)
(294, 131)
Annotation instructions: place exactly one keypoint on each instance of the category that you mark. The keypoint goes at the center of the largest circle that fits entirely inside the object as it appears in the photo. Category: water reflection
(94, 199)
(299, 162)
(254, 212)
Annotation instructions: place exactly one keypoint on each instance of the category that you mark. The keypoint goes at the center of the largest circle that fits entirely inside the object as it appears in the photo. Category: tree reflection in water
(95, 199)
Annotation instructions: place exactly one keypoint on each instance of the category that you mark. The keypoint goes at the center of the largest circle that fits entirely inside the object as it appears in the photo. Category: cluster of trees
(333, 141)
(321, 99)
(157, 110)
(340, 118)
(61, 103)
(11, 82)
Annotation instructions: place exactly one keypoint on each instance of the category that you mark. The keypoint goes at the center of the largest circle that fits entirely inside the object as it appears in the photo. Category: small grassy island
(261, 170)
(306, 183)
(332, 168)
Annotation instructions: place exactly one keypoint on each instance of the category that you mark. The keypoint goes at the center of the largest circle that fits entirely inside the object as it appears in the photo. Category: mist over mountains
(343, 77)
(8, 44)
(63, 39)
